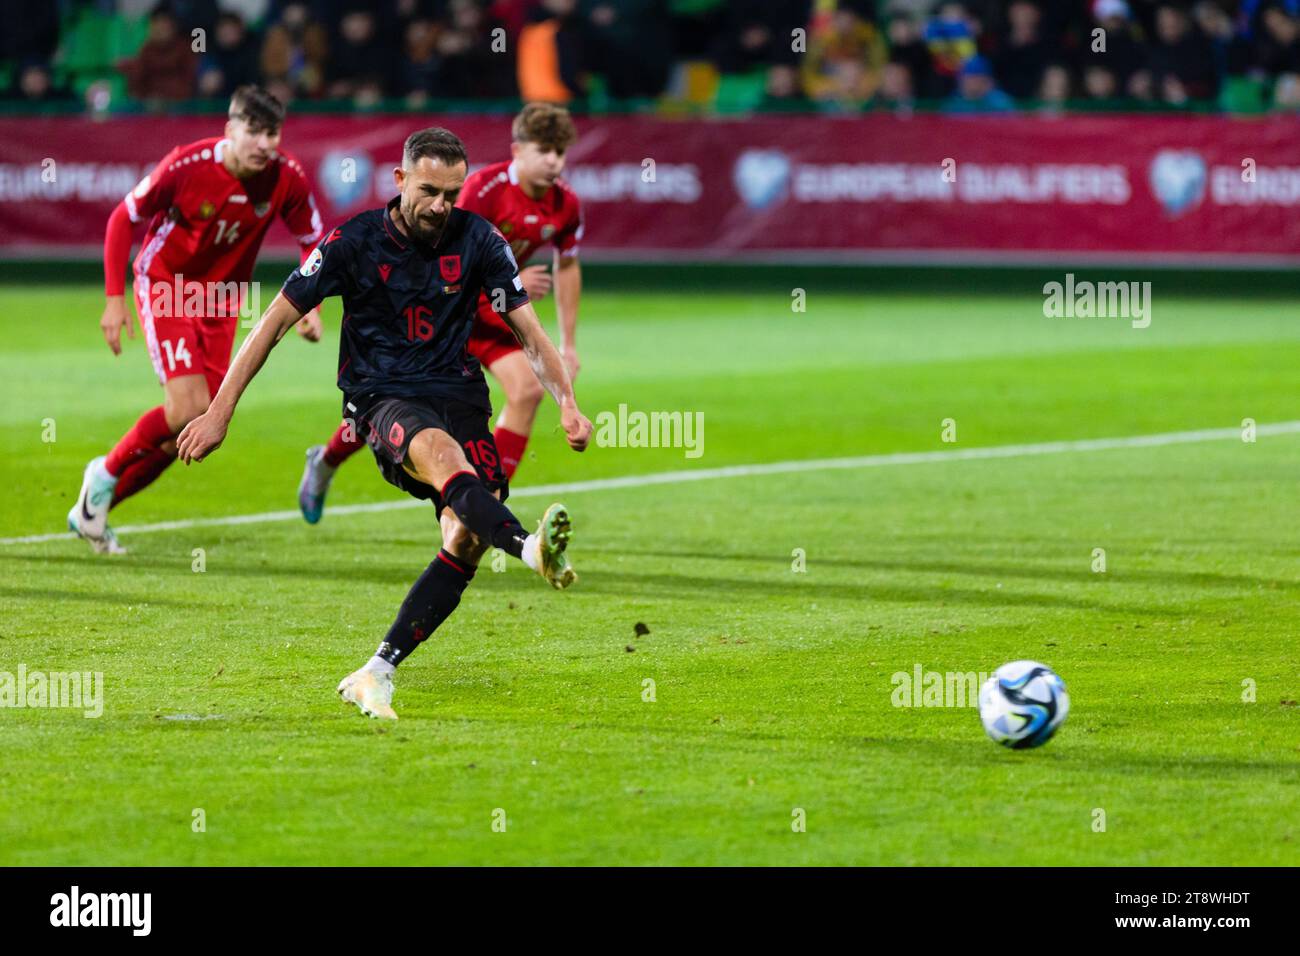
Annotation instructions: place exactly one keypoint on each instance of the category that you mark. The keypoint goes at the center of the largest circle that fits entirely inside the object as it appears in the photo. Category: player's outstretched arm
(568, 289)
(548, 366)
(205, 434)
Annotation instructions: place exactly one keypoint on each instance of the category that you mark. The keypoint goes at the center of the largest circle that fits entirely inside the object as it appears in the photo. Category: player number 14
(179, 354)
(226, 234)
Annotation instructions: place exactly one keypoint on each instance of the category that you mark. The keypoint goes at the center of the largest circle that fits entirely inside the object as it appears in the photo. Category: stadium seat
(1243, 94)
(93, 43)
(740, 92)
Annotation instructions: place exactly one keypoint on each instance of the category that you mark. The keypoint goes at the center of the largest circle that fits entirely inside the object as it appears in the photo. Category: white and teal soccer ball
(1023, 704)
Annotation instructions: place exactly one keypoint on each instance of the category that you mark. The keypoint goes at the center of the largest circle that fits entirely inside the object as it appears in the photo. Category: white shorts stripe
(146, 322)
(143, 299)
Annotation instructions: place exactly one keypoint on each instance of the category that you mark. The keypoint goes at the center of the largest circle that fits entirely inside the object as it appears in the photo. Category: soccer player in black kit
(410, 276)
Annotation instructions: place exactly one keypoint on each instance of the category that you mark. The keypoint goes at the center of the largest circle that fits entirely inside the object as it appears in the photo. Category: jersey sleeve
(299, 210)
(156, 191)
(326, 272)
(501, 273)
(568, 239)
(470, 200)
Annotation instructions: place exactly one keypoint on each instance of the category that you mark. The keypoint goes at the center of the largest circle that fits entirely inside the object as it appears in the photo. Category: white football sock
(529, 554)
(102, 474)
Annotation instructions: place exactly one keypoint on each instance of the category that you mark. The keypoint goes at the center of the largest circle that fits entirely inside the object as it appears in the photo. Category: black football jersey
(408, 307)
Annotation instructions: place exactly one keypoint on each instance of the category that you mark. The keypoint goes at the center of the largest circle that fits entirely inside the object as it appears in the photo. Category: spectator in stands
(631, 44)
(1055, 88)
(420, 65)
(844, 60)
(165, 66)
(782, 89)
(294, 52)
(1286, 93)
(33, 83)
(760, 32)
(471, 69)
(1279, 55)
(977, 92)
(194, 15)
(951, 38)
(550, 62)
(1119, 49)
(231, 60)
(1231, 50)
(1181, 59)
(360, 66)
(907, 48)
(896, 91)
(1024, 54)
(1279, 42)
(1100, 84)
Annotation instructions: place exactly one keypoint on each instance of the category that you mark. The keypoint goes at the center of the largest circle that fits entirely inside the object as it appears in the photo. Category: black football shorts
(389, 424)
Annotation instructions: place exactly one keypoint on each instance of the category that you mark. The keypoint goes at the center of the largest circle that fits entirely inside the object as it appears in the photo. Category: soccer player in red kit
(208, 206)
(531, 206)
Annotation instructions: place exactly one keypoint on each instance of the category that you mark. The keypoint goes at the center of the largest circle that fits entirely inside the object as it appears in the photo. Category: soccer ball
(1023, 704)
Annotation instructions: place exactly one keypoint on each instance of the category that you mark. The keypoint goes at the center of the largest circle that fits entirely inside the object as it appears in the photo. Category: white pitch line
(733, 471)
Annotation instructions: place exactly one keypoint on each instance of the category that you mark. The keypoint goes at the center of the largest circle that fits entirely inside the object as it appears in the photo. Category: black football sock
(478, 509)
(429, 602)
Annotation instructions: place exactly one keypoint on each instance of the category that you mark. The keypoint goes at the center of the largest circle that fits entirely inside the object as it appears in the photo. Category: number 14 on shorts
(178, 354)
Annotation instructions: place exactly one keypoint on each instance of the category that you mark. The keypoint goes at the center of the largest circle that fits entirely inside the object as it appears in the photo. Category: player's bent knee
(528, 393)
(186, 398)
(434, 456)
(518, 381)
(181, 413)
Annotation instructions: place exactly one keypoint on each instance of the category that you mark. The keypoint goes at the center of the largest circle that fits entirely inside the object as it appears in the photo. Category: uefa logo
(345, 177)
(762, 177)
(1178, 180)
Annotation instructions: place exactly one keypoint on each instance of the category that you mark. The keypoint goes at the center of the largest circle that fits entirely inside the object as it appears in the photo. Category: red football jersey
(494, 193)
(207, 226)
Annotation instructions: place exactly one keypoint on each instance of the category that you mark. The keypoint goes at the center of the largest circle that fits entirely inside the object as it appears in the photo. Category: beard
(427, 229)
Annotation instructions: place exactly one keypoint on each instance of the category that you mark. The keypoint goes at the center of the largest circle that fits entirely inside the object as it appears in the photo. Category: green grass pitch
(772, 688)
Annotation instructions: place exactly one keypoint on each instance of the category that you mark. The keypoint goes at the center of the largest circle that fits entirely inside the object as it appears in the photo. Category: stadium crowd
(844, 55)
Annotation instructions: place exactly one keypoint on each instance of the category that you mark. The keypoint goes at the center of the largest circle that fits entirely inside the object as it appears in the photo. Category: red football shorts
(183, 344)
(491, 338)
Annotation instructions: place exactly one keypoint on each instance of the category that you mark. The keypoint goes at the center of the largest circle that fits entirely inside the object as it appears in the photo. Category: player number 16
(418, 325)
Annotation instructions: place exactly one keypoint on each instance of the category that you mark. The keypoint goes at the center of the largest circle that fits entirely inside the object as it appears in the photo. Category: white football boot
(544, 549)
(89, 516)
(370, 691)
